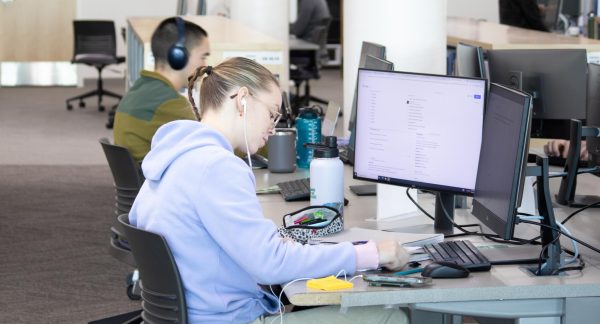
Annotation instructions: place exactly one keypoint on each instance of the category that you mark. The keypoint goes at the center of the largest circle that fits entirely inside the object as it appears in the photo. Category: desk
(490, 35)
(227, 38)
(297, 44)
(505, 291)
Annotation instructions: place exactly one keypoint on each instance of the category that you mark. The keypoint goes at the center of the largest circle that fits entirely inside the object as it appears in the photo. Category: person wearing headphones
(178, 47)
(201, 198)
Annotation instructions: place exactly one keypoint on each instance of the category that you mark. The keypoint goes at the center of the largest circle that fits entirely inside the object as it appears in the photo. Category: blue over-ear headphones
(178, 55)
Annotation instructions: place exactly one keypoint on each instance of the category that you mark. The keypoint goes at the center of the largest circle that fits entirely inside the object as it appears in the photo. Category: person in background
(560, 148)
(521, 13)
(201, 198)
(311, 13)
(154, 98)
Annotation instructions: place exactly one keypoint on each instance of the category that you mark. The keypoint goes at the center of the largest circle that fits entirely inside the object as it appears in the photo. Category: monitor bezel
(505, 227)
(417, 184)
(593, 143)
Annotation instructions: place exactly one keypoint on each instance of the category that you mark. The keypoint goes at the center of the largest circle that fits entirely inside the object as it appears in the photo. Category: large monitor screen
(419, 130)
(555, 78)
(501, 165)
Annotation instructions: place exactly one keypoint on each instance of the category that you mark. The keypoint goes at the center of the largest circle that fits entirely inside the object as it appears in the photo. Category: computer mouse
(444, 269)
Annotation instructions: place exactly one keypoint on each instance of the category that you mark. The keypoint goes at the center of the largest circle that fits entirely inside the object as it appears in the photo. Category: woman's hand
(392, 255)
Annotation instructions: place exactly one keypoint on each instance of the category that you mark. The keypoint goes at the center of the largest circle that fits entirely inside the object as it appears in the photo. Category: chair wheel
(101, 108)
(69, 107)
(131, 294)
(81, 104)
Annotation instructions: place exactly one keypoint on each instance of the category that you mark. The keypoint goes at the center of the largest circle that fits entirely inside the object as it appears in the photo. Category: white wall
(479, 9)
(413, 32)
(118, 11)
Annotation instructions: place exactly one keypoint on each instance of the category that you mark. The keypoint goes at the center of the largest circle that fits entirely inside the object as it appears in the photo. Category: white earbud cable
(246, 140)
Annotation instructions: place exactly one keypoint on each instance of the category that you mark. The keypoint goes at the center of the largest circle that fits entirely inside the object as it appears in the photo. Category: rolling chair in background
(163, 297)
(305, 67)
(95, 45)
(111, 114)
(127, 180)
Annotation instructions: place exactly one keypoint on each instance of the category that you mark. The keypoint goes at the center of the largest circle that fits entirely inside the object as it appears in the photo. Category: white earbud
(243, 101)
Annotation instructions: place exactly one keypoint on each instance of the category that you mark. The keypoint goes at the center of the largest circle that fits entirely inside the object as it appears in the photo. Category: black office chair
(127, 180)
(163, 297)
(95, 45)
(306, 66)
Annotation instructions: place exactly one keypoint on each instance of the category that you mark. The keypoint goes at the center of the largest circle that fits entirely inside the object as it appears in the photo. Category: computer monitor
(470, 61)
(552, 10)
(500, 178)
(420, 130)
(557, 80)
(593, 111)
(367, 49)
(373, 63)
(502, 159)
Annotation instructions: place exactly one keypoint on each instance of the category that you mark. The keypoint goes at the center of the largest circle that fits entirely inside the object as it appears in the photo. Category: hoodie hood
(175, 139)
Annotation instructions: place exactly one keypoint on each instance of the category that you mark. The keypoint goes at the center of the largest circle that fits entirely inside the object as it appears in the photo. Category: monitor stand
(550, 238)
(568, 185)
(442, 224)
(444, 203)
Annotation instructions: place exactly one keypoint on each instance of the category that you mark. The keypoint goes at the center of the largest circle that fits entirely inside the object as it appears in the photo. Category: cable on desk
(579, 211)
(433, 218)
(565, 234)
(491, 237)
(418, 206)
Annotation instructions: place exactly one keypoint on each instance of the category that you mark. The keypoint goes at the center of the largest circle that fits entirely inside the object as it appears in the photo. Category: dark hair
(233, 73)
(166, 35)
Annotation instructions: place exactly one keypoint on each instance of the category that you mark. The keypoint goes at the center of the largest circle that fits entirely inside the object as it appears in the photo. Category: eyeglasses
(273, 116)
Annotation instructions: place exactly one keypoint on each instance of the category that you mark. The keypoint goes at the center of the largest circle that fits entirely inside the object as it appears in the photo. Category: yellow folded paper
(329, 283)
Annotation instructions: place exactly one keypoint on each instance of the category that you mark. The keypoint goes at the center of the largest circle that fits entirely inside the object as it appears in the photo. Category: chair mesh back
(162, 291)
(95, 37)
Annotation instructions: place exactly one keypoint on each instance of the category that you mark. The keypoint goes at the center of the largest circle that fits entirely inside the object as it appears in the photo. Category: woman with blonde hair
(201, 198)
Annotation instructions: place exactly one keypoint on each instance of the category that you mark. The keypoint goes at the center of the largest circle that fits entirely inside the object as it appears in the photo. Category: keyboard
(463, 253)
(293, 190)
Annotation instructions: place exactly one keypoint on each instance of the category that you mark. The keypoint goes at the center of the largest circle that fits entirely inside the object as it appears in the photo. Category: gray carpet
(56, 207)
(54, 237)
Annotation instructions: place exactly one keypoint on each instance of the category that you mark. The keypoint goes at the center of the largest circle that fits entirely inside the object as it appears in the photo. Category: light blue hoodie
(201, 198)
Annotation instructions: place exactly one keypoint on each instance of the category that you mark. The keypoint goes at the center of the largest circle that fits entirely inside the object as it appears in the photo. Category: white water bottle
(327, 175)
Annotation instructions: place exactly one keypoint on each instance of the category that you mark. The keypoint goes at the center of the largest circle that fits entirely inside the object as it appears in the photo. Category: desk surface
(490, 35)
(502, 282)
(302, 45)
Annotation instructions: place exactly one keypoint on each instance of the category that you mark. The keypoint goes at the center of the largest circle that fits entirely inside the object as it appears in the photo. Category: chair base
(98, 92)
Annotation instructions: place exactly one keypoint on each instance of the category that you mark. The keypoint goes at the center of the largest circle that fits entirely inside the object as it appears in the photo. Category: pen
(407, 272)
(301, 219)
(313, 221)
